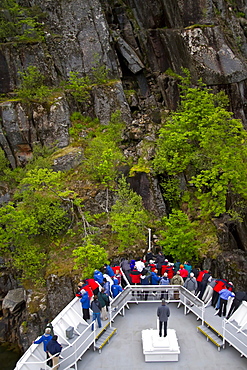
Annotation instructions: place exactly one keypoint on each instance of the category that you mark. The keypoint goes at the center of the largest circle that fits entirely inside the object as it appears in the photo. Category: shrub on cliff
(128, 218)
(204, 142)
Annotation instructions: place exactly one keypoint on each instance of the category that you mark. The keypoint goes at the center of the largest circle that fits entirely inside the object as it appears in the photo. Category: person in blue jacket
(98, 276)
(45, 338)
(116, 288)
(85, 303)
(54, 348)
(109, 271)
(107, 287)
(155, 279)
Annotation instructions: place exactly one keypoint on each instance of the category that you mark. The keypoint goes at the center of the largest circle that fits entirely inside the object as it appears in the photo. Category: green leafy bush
(203, 141)
(103, 154)
(79, 87)
(83, 127)
(32, 88)
(89, 256)
(178, 239)
(128, 218)
(20, 24)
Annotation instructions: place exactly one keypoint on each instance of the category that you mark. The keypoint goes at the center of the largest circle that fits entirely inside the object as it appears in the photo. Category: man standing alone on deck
(163, 313)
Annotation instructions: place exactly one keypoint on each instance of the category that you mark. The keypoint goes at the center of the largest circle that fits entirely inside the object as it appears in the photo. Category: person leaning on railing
(54, 348)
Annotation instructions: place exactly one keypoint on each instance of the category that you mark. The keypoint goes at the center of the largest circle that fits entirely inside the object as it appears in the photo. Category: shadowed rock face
(137, 41)
(4, 75)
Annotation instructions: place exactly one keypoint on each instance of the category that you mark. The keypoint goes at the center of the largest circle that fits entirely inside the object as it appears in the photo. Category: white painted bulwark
(160, 349)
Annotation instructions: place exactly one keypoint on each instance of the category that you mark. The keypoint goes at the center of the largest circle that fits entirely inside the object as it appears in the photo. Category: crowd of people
(108, 282)
(96, 293)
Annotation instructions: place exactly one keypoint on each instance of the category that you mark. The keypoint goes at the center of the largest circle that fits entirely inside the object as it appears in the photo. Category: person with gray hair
(191, 283)
(163, 312)
(45, 339)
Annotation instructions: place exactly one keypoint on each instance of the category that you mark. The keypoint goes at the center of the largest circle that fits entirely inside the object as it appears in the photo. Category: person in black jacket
(163, 312)
(238, 299)
(54, 348)
(160, 259)
(96, 308)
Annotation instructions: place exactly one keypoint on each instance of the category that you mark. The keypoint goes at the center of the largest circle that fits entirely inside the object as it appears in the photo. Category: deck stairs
(211, 334)
(104, 336)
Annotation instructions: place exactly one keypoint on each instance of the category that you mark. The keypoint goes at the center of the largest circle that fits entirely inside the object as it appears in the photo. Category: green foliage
(128, 217)
(141, 166)
(100, 74)
(4, 164)
(171, 191)
(32, 88)
(7, 175)
(178, 238)
(79, 87)
(89, 256)
(240, 14)
(42, 208)
(83, 127)
(30, 260)
(20, 24)
(103, 153)
(41, 157)
(202, 140)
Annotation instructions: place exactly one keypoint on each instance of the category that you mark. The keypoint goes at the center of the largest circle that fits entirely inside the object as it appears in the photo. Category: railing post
(110, 314)
(203, 313)
(224, 331)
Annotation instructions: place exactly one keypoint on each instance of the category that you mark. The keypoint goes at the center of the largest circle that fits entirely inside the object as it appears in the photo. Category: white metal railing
(73, 350)
(235, 337)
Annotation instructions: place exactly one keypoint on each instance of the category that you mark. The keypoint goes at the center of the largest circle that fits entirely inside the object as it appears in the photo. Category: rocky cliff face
(138, 41)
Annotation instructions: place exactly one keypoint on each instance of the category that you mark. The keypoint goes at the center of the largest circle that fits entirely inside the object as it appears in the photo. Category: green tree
(79, 87)
(103, 153)
(179, 237)
(128, 217)
(42, 209)
(89, 256)
(203, 141)
(32, 88)
(20, 24)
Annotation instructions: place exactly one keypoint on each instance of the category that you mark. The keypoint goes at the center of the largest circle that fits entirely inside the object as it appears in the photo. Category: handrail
(131, 294)
(228, 335)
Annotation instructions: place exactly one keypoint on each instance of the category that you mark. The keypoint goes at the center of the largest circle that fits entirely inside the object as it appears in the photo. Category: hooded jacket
(98, 276)
(45, 338)
(116, 288)
(154, 278)
(54, 347)
(85, 301)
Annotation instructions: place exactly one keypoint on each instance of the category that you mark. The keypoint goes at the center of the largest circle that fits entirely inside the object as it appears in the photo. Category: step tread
(102, 340)
(211, 335)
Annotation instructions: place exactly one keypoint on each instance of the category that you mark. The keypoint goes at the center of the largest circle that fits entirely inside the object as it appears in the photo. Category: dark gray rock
(134, 63)
(14, 300)
(109, 99)
(68, 160)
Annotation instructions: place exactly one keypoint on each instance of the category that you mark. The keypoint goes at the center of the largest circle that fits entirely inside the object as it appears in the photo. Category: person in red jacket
(170, 272)
(183, 272)
(93, 285)
(135, 277)
(199, 280)
(220, 284)
(85, 286)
